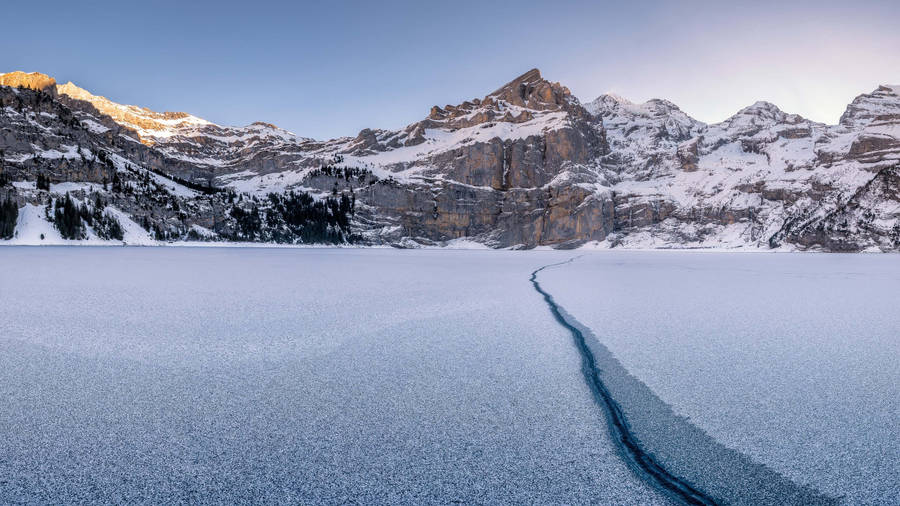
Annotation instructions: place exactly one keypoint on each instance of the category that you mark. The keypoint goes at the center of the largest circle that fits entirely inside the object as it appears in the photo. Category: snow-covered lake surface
(790, 359)
(432, 376)
(292, 376)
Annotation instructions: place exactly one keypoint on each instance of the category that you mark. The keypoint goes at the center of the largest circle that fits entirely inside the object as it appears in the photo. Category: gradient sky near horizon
(325, 69)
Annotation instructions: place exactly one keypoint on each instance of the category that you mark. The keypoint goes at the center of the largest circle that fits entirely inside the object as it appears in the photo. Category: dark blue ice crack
(665, 449)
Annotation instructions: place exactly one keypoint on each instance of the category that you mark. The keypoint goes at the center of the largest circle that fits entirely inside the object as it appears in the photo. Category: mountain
(526, 165)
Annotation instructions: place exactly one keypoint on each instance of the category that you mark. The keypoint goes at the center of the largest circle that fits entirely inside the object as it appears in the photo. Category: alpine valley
(527, 165)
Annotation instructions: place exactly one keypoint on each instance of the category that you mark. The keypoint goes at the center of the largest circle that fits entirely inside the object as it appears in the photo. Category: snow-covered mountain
(760, 178)
(525, 165)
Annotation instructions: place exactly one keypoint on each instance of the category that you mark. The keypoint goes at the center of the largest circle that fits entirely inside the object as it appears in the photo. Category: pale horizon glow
(331, 69)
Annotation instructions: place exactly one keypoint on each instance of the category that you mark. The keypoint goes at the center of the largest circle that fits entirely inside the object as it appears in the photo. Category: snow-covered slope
(758, 179)
(148, 124)
(525, 165)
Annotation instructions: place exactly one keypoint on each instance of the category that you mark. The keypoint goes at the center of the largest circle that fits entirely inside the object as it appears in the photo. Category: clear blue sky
(324, 69)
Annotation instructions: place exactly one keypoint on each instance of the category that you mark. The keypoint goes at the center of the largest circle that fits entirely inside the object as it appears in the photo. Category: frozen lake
(373, 376)
(386, 376)
(790, 359)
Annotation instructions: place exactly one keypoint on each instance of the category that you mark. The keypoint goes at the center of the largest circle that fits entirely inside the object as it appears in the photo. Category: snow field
(293, 375)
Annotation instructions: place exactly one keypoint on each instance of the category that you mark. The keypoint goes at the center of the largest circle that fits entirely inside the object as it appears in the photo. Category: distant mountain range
(527, 165)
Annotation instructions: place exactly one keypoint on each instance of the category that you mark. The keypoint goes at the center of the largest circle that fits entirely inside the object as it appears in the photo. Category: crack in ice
(642, 462)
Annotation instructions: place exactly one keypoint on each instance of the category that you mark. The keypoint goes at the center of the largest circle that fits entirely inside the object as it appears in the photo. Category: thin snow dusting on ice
(230, 375)
(789, 359)
(220, 375)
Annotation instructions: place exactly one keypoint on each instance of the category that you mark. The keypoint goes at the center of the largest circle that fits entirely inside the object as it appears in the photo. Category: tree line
(294, 217)
(72, 220)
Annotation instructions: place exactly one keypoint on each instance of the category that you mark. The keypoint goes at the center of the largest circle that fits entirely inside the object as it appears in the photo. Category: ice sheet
(790, 359)
(293, 376)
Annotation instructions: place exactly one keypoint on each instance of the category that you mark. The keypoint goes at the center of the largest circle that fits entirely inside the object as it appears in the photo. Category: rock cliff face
(524, 166)
(33, 81)
(498, 170)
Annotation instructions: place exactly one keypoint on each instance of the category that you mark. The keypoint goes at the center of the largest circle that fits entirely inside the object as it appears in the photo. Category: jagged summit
(759, 116)
(883, 102)
(532, 91)
(74, 91)
(759, 110)
(153, 126)
(761, 107)
(612, 104)
(531, 77)
(146, 123)
(614, 97)
(606, 103)
(149, 125)
(519, 85)
(517, 101)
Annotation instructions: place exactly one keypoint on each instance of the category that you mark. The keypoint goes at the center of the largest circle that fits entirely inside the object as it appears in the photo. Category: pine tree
(9, 213)
(68, 219)
(43, 182)
(114, 228)
(108, 227)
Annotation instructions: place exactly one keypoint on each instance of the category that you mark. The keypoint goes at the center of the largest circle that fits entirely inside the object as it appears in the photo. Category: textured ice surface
(293, 376)
(791, 359)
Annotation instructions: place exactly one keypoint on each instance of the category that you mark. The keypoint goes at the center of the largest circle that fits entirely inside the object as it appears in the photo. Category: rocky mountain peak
(533, 76)
(883, 102)
(517, 101)
(610, 104)
(762, 109)
(640, 128)
(757, 117)
(74, 91)
(33, 80)
(659, 105)
(614, 98)
(532, 91)
(606, 104)
(149, 125)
